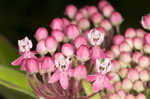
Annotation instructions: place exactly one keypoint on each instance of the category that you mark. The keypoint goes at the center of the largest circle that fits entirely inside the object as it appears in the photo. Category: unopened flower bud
(91, 10)
(41, 33)
(84, 11)
(138, 43)
(40, 47)
(136, 55)
(72, 31)
(115, 66)
(140, 33)
(147, 38)
(130, 96)
(118, 86)
(115, 77)
(71, 11)
(116, 18)
(146, 22)
(79, 16)
(65, 22)
(32, 65)
(114, 96)
(56, 23)
(125, 57)
(110, 54)
(127, 85)
(80, 72)
(96, 18)
(106, 24)
(129, 41)
(102, 3)
(123, 72)
(143, 61)
(67, 49)
(122, 94)
(138, 86)
(81, 40)
(83, 53)
(130, 32)
(51, 44)
(147, 48)
(133, 75)
(144, 75)
(84, 24)
(141, 96)
(124, 46)
(58, 35)
(107, 10)
(115, 49)
(118, 39)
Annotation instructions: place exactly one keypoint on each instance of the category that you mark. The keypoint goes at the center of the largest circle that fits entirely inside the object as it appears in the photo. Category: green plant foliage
(89, 90)
(148, 93)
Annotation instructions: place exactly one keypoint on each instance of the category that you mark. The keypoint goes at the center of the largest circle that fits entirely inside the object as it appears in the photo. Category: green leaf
(14, 80)
(148, 93)
(89, 90)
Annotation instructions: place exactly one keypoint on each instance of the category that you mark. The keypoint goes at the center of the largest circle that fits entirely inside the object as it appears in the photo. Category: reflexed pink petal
(98, 85)
(18, 61)
(91, 78)
(64, 80)
(107, 84)
(23, 65)
(71, 71)
(55, 77)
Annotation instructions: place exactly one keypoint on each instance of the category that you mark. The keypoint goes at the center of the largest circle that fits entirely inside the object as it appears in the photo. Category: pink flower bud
(84, 24)
(40, 47)
(114, 96)
(144, 75)
(146, 22)
(51, 44)
(143, 61)
(79, 16)
(65, 22)
(83, 53)
(47, 65)
(135, 56)
(91, 10)
(32, 65)
(122, 94)
(84, 11)
(124, 46)
(138, 86)
(41, 33)
(96, 18)
(116, 18)
(147, 38)
(115, 49)
(123, 72)
(139, 68)
(118, 86)
(67, 49)
(72, 31)
(147, 48)
(107, 10)
(127, 85)
(129, 41)
(110, 54)
(56, 23)
(102, 3)
(130, 96)
(106, 25)
(96, 53)
(140, 33)
(71, 11)
(115, 77)
(138, 43)
(115, 66)
(58, 35)
(125, 57)
(141, 96)
(80, 72)
(81, 40)
(130, 32)
(133, 75)
(118, 39)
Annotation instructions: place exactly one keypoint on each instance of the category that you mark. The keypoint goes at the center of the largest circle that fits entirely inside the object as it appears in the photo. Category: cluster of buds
(75, 49)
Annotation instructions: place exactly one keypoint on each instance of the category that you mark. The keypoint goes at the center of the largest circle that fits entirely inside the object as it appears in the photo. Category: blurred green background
(20, 18)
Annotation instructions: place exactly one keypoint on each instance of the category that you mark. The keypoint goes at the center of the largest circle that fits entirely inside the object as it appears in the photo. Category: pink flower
(140, 33)
(96, 18)
(84, 24)
(24, 48)
(100, 79)
(41, 33)
(41, 48)
(72, 31)
(138, 43)
(81, 40)
(62, 70)
(107, 10)
(95, 37)
(118, 39)
(130, 32)
(58, 35)
(106, 24)
(133, 75)
(116, 18)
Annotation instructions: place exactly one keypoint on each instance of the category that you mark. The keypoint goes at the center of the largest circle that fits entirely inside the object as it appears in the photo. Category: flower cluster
(76, 49)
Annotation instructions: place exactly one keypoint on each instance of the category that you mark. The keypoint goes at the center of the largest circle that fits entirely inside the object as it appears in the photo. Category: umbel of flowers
(75, 49)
